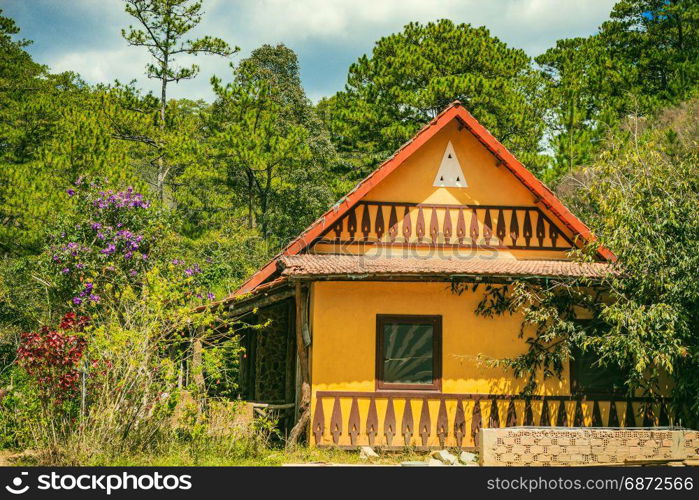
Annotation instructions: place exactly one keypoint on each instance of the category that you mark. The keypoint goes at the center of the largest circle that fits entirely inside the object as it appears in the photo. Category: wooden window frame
(436, 322)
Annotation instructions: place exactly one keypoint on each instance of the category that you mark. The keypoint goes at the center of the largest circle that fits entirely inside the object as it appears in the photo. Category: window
(589, 377)
(408, 352)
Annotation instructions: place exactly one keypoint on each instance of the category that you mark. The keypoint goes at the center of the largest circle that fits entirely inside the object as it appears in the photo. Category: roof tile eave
(310, 265)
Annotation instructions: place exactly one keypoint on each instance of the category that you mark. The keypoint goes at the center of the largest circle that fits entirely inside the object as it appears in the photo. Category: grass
(265, 458)
(188, 456)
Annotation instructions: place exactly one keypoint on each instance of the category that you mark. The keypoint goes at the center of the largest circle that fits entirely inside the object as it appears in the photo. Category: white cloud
(101, 65)
(299, 20)
(129, 63)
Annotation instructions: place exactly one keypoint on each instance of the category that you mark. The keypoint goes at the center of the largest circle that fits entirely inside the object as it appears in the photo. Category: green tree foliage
(644, 57)
(641, 198)
(51, 134)
(661, 39)
(162, 30)
(585, 92)
(413, 75)
(268, 152)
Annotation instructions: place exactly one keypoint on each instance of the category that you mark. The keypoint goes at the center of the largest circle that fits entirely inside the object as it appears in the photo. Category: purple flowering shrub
(105, 241)
(108, 244)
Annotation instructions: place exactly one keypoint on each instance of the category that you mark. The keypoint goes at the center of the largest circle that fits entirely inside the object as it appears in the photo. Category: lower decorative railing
(388, 419)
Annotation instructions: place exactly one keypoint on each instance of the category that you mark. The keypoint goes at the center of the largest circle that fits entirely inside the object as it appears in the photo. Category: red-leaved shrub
(52, 357)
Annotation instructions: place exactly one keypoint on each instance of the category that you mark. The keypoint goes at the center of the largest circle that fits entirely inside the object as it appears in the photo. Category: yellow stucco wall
(487, 183)
(343, 358)
(344, 336)
(343, 354)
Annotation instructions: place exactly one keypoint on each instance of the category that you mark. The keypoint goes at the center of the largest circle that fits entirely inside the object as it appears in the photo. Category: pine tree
(413, 75)
(162, 30)
(644, 58)
(267, 153)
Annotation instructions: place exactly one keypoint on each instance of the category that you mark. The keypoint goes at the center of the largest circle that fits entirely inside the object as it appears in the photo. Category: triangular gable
(454, 111)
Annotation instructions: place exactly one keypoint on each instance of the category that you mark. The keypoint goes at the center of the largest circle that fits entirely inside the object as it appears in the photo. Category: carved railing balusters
(487, 227)
(425, 422)
(514, 227)
(511, 414)
(473, 230)
(630, 415)
(318, 422)
(389, 423)
(379, 227)
(613, 420)
(336, 421)
(407, 425)
(562, 416)
(435, 225)
(459, 423)
(476, 421)
(528, 413)
(500, 228)
(461, 226)
(596, 415)
(494, 419)
(366, 222)
(393, 224)
(545, 419)
(373, 422)
(578, 419)
(407, 225)
(352, 224)
(442, 423)
(527, 228)
(447, 226)
(420, 225)
(353, 424)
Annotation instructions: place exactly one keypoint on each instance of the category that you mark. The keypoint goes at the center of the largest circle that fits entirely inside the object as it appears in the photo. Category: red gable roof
(455, 111)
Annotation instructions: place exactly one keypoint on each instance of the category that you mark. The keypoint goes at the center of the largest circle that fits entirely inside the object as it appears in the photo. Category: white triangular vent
(450, 173)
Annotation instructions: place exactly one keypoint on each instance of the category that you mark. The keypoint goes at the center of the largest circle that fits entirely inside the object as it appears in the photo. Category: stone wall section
(550, 446)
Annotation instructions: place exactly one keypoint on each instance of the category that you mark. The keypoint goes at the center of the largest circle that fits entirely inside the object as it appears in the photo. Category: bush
(106, 380)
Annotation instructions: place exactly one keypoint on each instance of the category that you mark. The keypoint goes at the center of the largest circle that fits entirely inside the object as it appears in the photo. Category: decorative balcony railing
(436, 225)
(429, 420)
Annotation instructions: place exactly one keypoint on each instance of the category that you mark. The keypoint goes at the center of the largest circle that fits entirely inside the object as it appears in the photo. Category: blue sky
(328, 35)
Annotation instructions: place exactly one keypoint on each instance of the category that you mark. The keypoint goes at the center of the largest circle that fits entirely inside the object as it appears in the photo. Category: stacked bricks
(547, 446)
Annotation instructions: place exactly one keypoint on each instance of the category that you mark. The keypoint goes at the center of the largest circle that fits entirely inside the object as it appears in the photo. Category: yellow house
(366, 338)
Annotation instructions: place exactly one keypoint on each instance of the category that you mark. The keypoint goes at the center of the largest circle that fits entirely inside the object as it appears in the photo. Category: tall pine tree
(412, 75)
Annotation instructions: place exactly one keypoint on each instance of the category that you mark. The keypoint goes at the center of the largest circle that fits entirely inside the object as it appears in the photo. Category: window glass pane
(593, 378)
(408, 353)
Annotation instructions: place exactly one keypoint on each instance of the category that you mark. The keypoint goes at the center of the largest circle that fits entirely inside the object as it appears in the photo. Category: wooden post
(198, 370)
(302, 352)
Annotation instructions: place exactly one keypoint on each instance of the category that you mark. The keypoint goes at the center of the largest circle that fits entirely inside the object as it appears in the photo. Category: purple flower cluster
(120, 199)
(192, 271)
(86, 295)
(103, 245)
(69, 254)
(123, 239)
